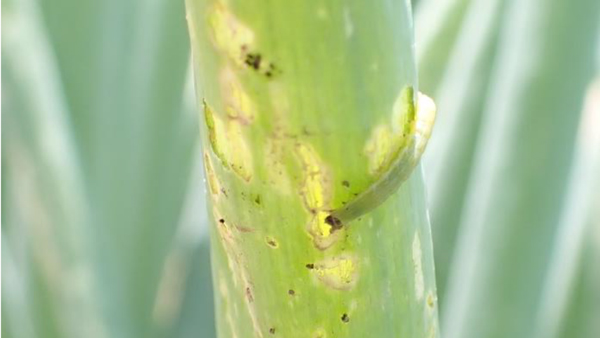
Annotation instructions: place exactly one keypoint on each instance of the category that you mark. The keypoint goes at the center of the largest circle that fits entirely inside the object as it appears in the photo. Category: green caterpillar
(411, 137)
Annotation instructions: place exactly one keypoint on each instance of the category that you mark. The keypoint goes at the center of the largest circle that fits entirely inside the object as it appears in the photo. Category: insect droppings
(345, 318)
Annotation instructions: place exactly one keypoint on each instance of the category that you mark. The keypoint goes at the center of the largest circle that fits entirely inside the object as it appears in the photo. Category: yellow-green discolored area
(303, 117)
(339, 273)
(379, 149)
(228, 142)
(315, 189)
(228, 34)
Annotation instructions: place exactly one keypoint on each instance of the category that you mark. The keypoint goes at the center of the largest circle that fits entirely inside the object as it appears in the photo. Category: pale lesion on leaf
(238, 104)
(213, 182)
(338, 272)
(229, 34)
(378, 149)
(315, 189)
(214, 128)
(316, 192)
(239, 153)
(228, 142)
(417, 258)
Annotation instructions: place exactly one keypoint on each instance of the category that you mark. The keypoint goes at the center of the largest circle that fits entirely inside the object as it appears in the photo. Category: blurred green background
(103, 216)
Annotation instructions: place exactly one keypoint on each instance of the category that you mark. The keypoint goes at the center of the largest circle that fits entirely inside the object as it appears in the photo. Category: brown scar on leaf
(249, 294)
(237, 265)
(272, 242)
(244, 229)
(257, 62)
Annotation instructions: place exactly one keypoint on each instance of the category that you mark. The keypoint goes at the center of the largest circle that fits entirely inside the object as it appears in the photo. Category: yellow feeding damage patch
(340, 273)
(211, 177)
(403, 112)
(229, 34)
(379, 149)
(321, 228)
(215, 128)
(239, 105)
(238, 151)
(228, 142)
(314, 191)
(316, 194)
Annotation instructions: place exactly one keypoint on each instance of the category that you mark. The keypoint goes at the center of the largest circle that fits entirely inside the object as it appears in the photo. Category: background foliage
(514, 164)
(103, 202)
(103, 228)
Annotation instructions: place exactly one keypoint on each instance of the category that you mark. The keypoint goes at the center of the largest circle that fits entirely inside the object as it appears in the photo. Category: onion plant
(311, 127)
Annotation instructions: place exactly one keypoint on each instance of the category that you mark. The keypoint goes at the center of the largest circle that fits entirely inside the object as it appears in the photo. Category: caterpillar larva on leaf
(412, 134)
